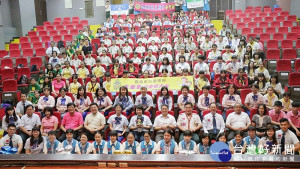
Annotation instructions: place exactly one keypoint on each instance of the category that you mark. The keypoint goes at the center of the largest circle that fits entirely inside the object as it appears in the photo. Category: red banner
(154, 7)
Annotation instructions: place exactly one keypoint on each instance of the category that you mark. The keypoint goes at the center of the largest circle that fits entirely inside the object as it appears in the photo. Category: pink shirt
(71, 122)
(104, 103)
(57, 85)
(294, 119)
(82, 105)
(48, 123)
(276, 117)
(190, 98)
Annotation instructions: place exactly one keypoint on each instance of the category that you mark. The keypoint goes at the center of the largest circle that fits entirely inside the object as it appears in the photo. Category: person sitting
(222, 138)
(270, 98)
(82, 71)
(230, 98)
(73, 88)
(46, 101)
(187, 144)
(182, 65)
(219, 66)
(70, 141)
(72, 120)
(204, 146)
(28, 121)
(93, 122)
(286, 137)
(57, 84)
(12, 139)
(92, 85)
(185, 97)
(139, 123)
(237, 121)
(113, 145)
(20, 108)
(84, 146)
(131, 145)
(269, 140)
(149, 67)
(118, 122)
(261, 121)
(237, 145)
(125, 100)
(147, 146)
(253, 99)
(10, 118)
(240, 81)
(222, 82)
(49, 122)
(213, 123)
(82, 102)
(35, 144)
(276, 114)
(52, 145)
(252, 139)
(201, 66)
(68, 71)
(205, 99)
(286, 102)
(189, 121)
(167, 145)
(294, 118)
(63, 101)
(99, 146)
(201, 81)
(144, 99)
(103, 101)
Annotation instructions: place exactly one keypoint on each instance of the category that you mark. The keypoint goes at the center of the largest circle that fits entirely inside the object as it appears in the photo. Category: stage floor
(94, 167)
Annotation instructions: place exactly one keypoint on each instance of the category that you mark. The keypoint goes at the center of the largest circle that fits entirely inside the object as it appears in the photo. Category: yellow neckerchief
(116, 69)
(251, 72)
(261, 71)
(251, 44)
(260, 84)
(81, 73)
(74, 88)
(98, 71)
(107, 86)
(92, 87)
(286, 105)
(247, 61)
(67, 73)
(270, 98)
(201, 83)
(131, 69)
(256, 60)
(273, 85)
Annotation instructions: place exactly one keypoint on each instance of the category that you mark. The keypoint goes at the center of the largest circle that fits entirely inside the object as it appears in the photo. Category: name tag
(297, 89)
(284, 74)
(273, 61)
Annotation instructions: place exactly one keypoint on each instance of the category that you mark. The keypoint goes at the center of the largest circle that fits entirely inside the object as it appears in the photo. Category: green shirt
(35, 100)
(79, 37)
(34, 87)
(41, 80)
(70, 52)
(91, 36)
(59, 71)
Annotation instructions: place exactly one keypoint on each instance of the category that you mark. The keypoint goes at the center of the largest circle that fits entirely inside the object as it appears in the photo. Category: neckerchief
(270, 99)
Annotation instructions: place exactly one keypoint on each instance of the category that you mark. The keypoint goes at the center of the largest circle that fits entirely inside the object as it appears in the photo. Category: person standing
(107, 9)
(178, 4)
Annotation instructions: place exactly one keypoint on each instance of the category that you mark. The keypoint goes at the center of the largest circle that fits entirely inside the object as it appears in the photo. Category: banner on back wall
(121, 9)
(194, 3)
(152, 84)
(154, 7)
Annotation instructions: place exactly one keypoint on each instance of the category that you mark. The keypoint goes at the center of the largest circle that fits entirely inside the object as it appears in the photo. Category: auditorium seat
(252, 25)
(265, 37)
(59, 27)
(79, 26)
(56, 23)
(57, 19)
(25, 45)
(68, 38)
(40, 51)
(46, 39)
(64, 32)
(294, 84)
(284, 13)
(34, 39)
(10, 85)
(272, 44)
(75, 18)
(40, 28)
(69, 27)
(84, 22)
(258, 30)
(23, 71)
(292, 36)
(292, 18)
(43, 33)
(7, 62)
(74, 32)
(297, 65)
(288, 23)
(74, 22)
(289, 54)
(24, 39)
(47, 23)
(246, 30)
(27, 53)
(283, 29)
(3, 53)
(7, 74)
(244, 93)
(270, 30)
(37, 45)
(285, 44)
(262, 14)
(278, 36)
(57, 38)
(284, 67)
(228, 112)
(32, 33)
(15, 53)
(296, 29)
(53, 32)
(252, 113)
(14, 46)
(22, 61)
(36, 61)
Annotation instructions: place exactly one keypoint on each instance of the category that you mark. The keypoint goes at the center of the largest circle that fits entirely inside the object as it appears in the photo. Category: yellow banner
(152, 84)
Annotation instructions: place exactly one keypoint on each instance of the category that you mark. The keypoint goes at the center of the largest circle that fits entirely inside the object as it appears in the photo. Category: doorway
(218, 8)
(40, 11)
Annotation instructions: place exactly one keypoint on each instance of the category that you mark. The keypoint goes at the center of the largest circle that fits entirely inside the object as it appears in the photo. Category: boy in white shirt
(220, 65)
(227, 55)
(105, 59)
(90, 60)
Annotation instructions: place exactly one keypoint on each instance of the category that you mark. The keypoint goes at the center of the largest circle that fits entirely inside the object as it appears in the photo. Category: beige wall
(284, 4)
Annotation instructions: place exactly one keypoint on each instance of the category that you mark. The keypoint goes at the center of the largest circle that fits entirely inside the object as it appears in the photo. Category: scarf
(63, 101)
(165, 100)
(255, 97)
(144, 100)
(231, 98)
(11, 120)
(118, 120)
(206, 102)
(107, 86)
(81, 101)
(45, 99)
(270, 98)
(185, 99)
(100, 99)
(124, 101)
(261, 70)
(286, 104)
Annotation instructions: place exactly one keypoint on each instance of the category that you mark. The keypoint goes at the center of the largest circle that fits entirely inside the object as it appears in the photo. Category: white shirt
(201, 101)
(255, 46)
(180, 66)
(136, 60)
(206, 45)
(168, 46)
(113, 49)
(221, 45)
(160, 120)
(121, 59)
(154, 48)
(168, 67)
(139, 101)
(16, 139)
(149, 68)
(290, 137)
(105, 151)
(238, 120)
(186, 55)
(140, 49)
(201, 67)
(252, 103)
(227, 56)
(233, 67)
(143, 40)
(115, 125)
(146, 122)
(162, 56)
(75, 62)
(187, 124)
(29, 122)
(208, 122)
(217, 67)
(127, 49)
(90, 61)
(156, 39)
(50, 50)
(213, 55)
(157, 147)
(105, 60)
(137, 148)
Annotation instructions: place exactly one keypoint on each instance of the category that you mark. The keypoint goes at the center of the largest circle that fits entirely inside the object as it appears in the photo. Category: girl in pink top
(82, 102)
(57, 85)
(49, 122)
(103, 101)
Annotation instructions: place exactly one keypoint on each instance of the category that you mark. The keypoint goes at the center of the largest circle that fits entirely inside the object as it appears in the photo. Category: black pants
(213, 135)
(90, 135)
(63, 136)
(24, 137)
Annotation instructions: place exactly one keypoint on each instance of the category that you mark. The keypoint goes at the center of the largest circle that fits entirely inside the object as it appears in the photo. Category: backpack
(6, 103)
(20, 66)
(60, 44)
(23, 79)
(34, 68)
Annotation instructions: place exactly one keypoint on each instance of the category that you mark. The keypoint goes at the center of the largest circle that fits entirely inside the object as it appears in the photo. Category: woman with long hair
(10, 118)
(35, 144)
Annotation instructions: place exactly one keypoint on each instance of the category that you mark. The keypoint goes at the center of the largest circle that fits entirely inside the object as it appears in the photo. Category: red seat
(7, 62)
(32, 33)
(298, 44)
(79, 27)
(36, 61)
(53, 33)
(50, 28)
(56, 23)
(262, 14)
(288, 23)
(40, 28)
(229, 111)
(57, 19)
(292, 36)
(37, 45)
(24, 39)
(284, 65)
(270, 30)
(97, 41)
(257, 19)
(57, 38)
(7, 74)
(252, 113)
(15, 53)
(272, 44)
(280, 18)
(289, 54)
(278, 36)
(43, 33)
(267, 10)
(68, 37)
(269, 19)
(297, 65)
(64, 32)
(14, 46)
(46, 39)
(292, 18)
(58, 116)
(69, 27)
(292, 81)
(3, 53)
(273, 54)
(244, 93)
(34, 39)
(75, 18)
(283, 29)
(47, 23)
(265, 37)
(284, 13)
(240, 25)
(73, 32)
(23, 71)
(10, 85)
(263, 24)
(25, 45)
(296, 29)
(67, 19)
(40, 52)
(84, 22)
(258, 30)
(75, 22)
(286, 44)
(27, 52)
(252, 25)
(246, 30)
(22, 61)
(60, 27)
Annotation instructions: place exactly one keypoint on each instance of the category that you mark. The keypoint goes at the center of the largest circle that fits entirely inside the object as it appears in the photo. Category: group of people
(76, 84)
